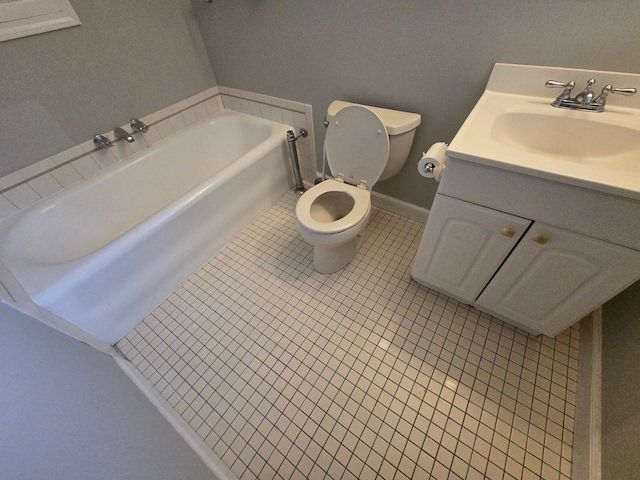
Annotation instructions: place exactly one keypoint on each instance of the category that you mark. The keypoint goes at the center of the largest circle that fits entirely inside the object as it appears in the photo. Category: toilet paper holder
(433, 161)
(428, 169)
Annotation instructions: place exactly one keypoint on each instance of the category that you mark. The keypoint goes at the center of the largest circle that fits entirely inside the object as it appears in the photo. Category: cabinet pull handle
(541, 239)
(508, 232)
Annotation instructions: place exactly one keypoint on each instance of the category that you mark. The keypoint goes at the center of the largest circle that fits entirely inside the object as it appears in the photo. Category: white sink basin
(585, 141)
(513, 126)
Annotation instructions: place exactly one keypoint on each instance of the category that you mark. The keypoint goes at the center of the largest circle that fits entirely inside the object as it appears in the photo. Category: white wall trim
(595, 413)
(21, 18)
(210, 459)
(401, 207)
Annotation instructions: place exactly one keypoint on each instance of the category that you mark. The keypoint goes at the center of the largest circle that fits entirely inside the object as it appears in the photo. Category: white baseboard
(401, 207)
(210, 459)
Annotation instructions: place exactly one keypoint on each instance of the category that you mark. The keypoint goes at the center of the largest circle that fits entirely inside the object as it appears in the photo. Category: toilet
(363, 145)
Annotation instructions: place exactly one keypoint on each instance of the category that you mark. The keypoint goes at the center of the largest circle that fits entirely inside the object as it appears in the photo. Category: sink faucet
(585, 99)
(123, 135)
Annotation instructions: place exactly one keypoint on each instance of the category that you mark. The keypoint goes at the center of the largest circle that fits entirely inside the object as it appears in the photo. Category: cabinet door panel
(555, 277)
(463, 245)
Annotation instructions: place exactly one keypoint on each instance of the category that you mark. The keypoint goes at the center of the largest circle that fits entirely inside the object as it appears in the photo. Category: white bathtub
(103, 254)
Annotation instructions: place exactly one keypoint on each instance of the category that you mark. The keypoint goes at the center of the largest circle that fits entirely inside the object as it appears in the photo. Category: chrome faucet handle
(558, 84)
(565, 94)
(138, 125)
(608, 89)
(619, 91)
(100, 141)
(601, 100)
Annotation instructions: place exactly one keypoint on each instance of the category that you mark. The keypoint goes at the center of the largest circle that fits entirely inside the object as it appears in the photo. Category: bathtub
(104, 253)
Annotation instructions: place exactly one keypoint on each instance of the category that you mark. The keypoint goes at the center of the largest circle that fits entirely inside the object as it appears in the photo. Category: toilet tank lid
(395, 121)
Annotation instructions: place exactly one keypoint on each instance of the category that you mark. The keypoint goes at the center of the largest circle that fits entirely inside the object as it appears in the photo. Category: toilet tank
(401, 127)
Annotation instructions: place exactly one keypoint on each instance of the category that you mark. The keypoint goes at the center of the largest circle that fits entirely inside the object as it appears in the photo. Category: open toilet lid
(357, 145)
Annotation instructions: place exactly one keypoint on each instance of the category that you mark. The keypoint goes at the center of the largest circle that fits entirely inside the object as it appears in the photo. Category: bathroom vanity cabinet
(537, 253)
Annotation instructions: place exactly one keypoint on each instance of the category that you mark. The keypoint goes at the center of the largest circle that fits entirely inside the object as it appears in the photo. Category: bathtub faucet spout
(123, 135)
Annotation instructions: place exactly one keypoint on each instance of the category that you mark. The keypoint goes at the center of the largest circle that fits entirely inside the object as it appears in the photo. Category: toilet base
(334, 258)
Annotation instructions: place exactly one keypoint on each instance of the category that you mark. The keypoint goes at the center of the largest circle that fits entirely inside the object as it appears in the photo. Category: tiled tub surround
(279, 110)
(21, 189)
(287, 373)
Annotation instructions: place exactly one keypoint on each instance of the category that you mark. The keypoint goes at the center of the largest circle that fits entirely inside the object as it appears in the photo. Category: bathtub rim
(38, 279)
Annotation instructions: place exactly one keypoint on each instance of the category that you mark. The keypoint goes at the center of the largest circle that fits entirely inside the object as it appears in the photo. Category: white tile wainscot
(299, 115)
(21, 189)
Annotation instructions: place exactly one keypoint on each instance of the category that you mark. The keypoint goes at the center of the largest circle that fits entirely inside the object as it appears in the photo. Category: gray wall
(428, 56)
(68, 412)
(128, 58)
(621, 386)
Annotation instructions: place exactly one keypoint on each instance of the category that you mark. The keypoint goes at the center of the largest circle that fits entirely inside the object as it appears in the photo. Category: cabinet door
(555, 277)
(463, 245)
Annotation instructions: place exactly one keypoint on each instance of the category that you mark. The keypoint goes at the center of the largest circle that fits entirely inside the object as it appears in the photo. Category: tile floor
(287, 373)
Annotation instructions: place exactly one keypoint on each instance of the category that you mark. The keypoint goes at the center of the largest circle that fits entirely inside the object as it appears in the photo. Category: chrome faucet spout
(586, 96)
(122, 134)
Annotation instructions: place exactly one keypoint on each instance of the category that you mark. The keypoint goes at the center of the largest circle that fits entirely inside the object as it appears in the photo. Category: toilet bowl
(332, 215)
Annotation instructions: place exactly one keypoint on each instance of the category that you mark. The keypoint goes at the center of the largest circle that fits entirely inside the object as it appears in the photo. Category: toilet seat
(359, 212)
(357, 145)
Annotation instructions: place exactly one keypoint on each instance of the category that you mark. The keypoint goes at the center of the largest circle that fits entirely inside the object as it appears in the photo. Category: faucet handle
(138, 125)
(557, 84)
(601, 100)
(565, 95)
(100, 141)
(620, 91)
